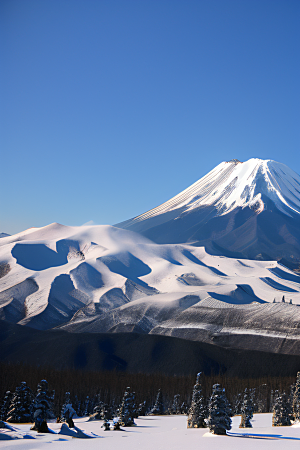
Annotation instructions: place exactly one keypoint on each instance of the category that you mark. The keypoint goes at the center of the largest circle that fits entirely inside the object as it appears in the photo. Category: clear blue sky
(110, 107)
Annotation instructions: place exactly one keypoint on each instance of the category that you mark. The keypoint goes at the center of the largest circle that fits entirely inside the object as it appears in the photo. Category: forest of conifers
(109, 386)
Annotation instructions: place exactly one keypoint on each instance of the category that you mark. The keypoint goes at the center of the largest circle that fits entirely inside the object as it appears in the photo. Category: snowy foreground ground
(165, 432)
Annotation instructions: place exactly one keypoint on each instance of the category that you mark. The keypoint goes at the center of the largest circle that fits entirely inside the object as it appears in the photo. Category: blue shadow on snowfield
(261, 436)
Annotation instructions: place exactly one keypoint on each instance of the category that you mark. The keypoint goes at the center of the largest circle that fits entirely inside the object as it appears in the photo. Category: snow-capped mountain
(246, 210)
(103, 279)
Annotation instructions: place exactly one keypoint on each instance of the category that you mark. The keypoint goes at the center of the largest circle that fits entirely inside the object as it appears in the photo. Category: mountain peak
(234, 184)
(245, 209)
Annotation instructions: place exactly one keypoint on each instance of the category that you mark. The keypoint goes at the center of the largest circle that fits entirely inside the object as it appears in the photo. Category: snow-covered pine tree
(183, 408)
(134, 408)
(97, 414)
(98, 409)
(86, 406)
(197, 410)
(93, 402)
(126, 413)
(218, 418)
(20, 409)
(237, 404)
(253, 396)
(42, 408)
(67, 411)
(5, 405)
(142, 409)
(291, 398)
(175, 408)
(246, 410)
(106, 412)
(272, 400)
(296, 399)
(158, 408)
(228, 405)
(262, 397)
(282, 411)
(76, 405)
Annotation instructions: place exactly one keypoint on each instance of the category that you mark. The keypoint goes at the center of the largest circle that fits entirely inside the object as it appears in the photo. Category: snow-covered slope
(106, 279)
(249, 210)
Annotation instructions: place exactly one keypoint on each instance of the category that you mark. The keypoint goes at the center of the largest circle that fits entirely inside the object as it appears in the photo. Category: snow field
(159, 433)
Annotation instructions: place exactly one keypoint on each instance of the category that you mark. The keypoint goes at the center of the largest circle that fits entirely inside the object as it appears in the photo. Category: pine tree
(262, 398)
(197, 410)
(281, 412)
(296, 399)
(246, 410)
(42, 407)
(158, 408)
(237, 405)
(126, 413)
(5, 405)
(86, 406)
(106, 412)
(253, 396)
(142, 409)
(76, 405)
(98, 409)
(20, 409)
(133, 405)
(218, 419)
(272, 400)
(67, 411)
(175, 408)
(184, 408)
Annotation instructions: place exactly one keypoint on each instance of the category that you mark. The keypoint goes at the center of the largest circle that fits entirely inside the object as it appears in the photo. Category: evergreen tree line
(101, 395)
(215, 414)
